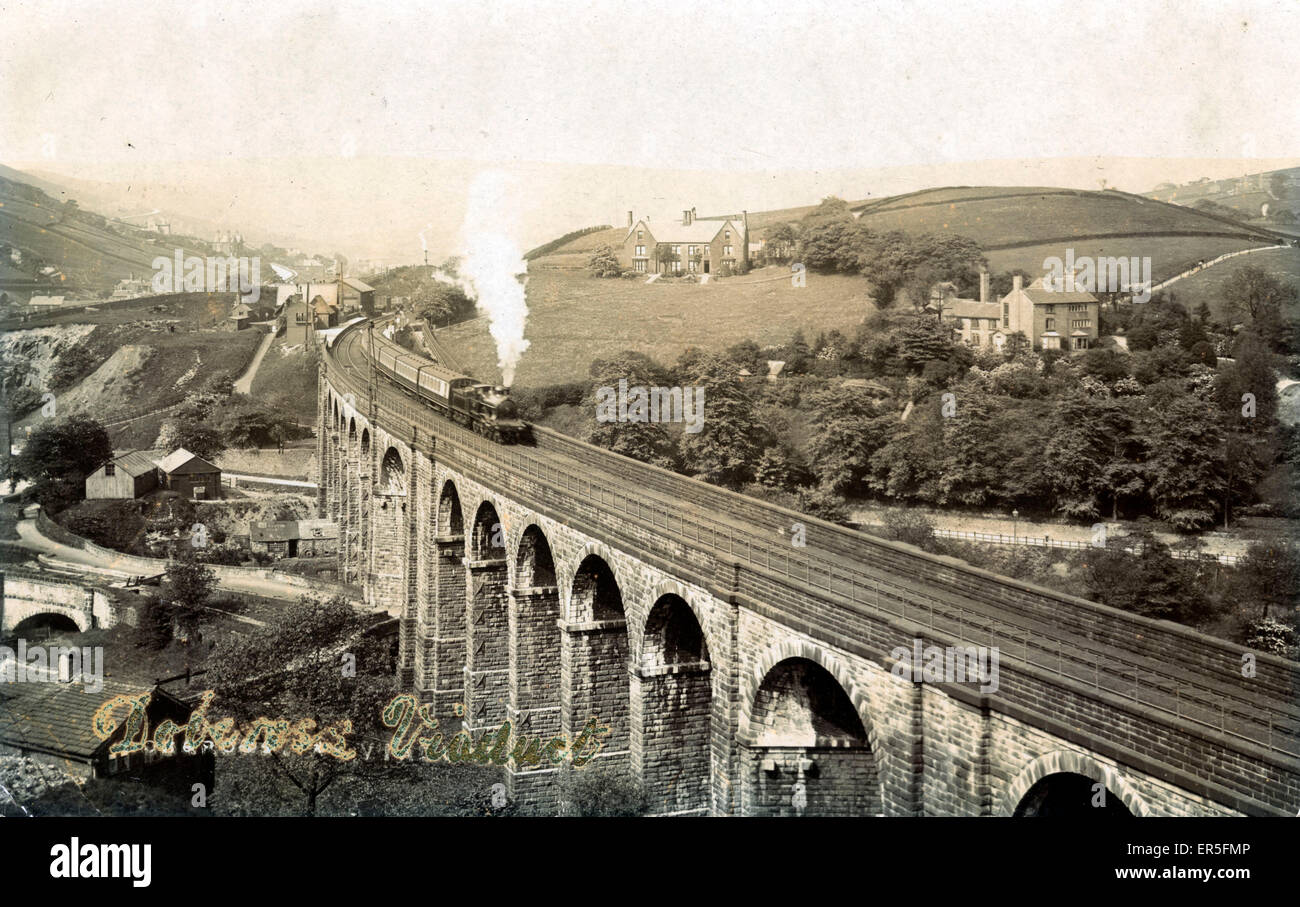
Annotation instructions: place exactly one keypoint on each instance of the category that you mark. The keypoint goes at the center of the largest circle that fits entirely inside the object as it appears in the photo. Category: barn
(190, 476)
(132, 475)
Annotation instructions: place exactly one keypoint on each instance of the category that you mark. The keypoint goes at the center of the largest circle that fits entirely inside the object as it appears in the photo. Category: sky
(213, 98)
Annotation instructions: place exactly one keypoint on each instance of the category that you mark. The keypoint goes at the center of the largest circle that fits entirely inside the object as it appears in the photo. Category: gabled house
(190, 475)
(132, 475)
(975, 322)
(689, 246)
(1052, 315)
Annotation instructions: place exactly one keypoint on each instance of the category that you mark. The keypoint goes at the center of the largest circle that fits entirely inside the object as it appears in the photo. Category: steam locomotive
(485, 408)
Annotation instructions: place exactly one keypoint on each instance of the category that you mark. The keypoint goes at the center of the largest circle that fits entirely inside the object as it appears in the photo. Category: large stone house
(1052, 316)
(688, 246)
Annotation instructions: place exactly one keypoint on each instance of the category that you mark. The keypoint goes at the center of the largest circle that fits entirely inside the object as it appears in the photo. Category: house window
(110, 469)
(677, 267)
(200, 491)
(1081, 323)
(1049, 308)
(726, 234)
(301, 317)
(692, 267)
(1049, 324)
(726, 250)
(640, 265)
(640, 235)
(1006, 314)
(640, 251)
(677, 250)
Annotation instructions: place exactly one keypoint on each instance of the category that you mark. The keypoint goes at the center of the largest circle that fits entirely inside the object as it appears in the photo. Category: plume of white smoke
(493, 271)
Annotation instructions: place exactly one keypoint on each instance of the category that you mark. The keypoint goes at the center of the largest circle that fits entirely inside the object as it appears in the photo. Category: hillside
(574, 318)
(1019, 226)
(1207, 286)
(92, 254)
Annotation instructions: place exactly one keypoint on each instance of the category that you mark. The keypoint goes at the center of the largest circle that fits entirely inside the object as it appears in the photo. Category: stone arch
(536, 641)
(534, 559)
(596, 638)
(1060, 762)
(806, 732)
(55, 621)
(352, 430)
(567, 573)
(450, 519)
(365, 442)
(392, 473)
(669, 586)
(594, 591)
(672, 726)
(487, 536)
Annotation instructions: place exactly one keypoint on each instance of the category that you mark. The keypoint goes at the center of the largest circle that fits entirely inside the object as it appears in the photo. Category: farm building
(294, 538)
(190, 476)
(131, 475)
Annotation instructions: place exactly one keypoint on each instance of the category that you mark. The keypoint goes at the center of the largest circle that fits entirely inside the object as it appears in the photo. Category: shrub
(598, 790)
(910, 526)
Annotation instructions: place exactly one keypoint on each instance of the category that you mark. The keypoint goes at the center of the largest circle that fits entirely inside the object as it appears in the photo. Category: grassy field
(1207, 286)
(998, 218)
(1169, 255)
(574, 318)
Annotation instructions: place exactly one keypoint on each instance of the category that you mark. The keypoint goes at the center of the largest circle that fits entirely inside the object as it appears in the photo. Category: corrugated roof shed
(135, 463)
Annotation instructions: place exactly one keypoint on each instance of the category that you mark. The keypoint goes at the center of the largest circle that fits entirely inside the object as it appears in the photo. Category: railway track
(702, 526)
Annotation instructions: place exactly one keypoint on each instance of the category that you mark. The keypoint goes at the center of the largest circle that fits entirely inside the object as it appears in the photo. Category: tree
(155, 626)
(1184, 469)
(843, 438)
(727, 448)
(1254, 295)
(781, 241)
(198, 438)
(642, 440)
(299, 669)
(1149, 581)
(604, 262)
(190, 585)
(60, 454)
(440, 302)
(827, 235)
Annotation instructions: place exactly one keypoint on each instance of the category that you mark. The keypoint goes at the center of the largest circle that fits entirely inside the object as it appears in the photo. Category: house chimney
(629, 220)
(984, 284)
(686, 217)
(1015, 283)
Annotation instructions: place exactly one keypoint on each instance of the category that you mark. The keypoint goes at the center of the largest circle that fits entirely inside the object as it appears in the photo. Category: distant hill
(91, 253)
(1018, 226)
(1247, 195)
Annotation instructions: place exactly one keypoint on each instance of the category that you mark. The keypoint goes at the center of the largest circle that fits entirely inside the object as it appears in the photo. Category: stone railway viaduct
(744, 675)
